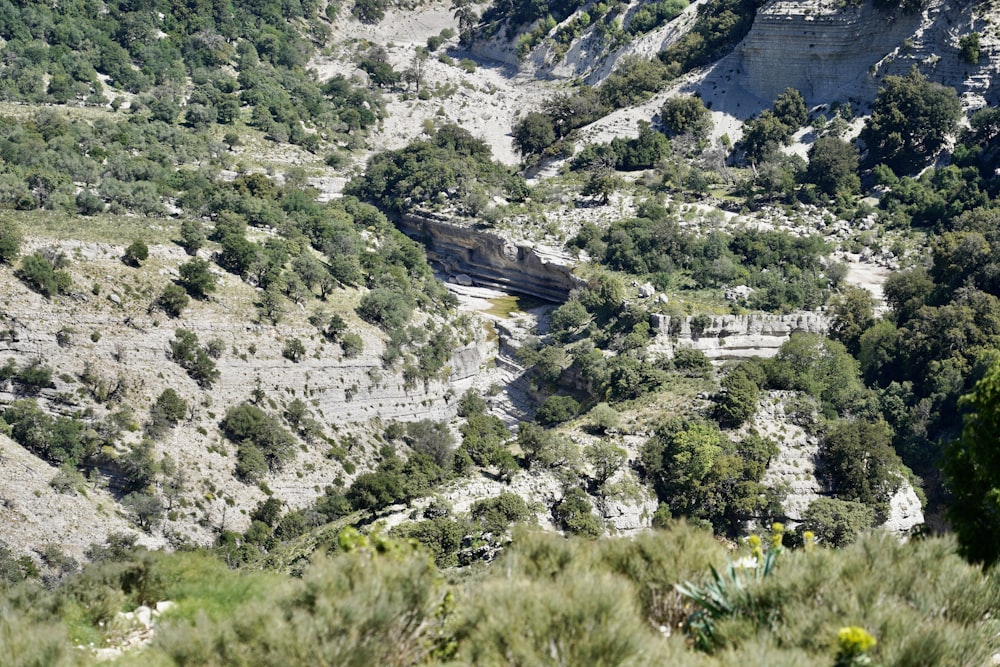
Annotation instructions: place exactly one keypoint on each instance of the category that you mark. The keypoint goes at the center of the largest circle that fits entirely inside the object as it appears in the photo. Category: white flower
(746, 563)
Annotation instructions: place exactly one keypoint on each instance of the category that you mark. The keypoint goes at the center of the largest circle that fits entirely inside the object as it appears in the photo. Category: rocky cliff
(733, 336)
(489, 260)
(830, 50)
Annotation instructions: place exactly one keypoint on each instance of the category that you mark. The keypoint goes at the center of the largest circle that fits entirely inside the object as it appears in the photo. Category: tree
(738, 400)
(833, 166)
(173, 300)
(192, 236)
(533, 134)
(837, 522)
(40, 275)
(574, 514)
(686, 115)
(763, 135)
(972, 471)
(853, 314)
(790, 109)
(369, 11)
(910, 120)
(136, 253)
(968, 48)
(858, 463)
(10, 241)
(606, 458)
(166, 412)
(294, 350)
(197, 278)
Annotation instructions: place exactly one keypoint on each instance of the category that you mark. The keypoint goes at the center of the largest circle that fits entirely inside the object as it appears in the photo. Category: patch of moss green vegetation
(506, 306)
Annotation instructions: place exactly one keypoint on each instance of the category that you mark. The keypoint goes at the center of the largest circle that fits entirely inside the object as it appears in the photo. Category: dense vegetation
(608, 602)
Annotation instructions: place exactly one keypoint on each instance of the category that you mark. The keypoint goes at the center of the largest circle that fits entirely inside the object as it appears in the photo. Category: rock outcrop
(733, 336)
(490, 260)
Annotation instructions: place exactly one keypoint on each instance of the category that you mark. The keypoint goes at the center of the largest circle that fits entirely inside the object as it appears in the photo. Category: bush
(352, 345)
(197, 278)
(173, 300)
(385, 309)
(557, 409)
(294, 350)
(136, 253)
(253, 429)
(837, 522)
(574, 514)
(168, 409)
(38, 273)
(10, 241)
(192, 236)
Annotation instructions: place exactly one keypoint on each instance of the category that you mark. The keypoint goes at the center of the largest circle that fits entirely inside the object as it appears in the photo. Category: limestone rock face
(490, 260)
(627, 516)
(817, 48)
(735, 336)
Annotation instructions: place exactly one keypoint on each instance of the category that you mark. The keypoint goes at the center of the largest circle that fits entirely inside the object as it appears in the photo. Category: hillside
(272, 273)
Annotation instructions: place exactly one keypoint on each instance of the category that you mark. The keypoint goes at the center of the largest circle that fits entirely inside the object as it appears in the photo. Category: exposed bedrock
(490, 260)
(818, 48)
(734, 336)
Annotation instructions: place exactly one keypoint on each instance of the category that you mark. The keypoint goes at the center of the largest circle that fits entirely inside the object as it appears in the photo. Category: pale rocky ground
(487, 102)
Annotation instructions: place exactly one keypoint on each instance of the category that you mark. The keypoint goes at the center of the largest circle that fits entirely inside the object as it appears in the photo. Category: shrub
(197, 278)
(168, 409)
(294, 350)
(557, 409)
(253, 429)
(136, 253)
(10, 241)
(173, 300)
(38, 273)
(192, 236)
(574, 514)
(352, 345)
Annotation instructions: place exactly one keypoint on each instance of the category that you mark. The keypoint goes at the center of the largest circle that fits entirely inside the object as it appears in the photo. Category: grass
(103, 228)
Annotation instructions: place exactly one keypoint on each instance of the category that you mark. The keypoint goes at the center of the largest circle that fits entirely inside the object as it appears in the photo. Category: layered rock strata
(734, 336)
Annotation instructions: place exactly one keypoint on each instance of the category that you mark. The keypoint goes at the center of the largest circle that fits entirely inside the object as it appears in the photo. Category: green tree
(853, 314)
(790, 109)
(197, 278)
(686, 114)
(173, 300)
(192, 236)
(833, 166)
(533, 134)
(40, 275)
(136, 253)
(10, 241)
(968, 48)
(574, 514)
(858, 463)
(763, 135)
(910, 120)
(738, 400)
(972, 471)
(837, 522)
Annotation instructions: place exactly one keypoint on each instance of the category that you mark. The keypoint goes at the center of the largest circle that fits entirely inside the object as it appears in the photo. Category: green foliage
(968, 48)
(385, 308)
(10, 241)
(352, 345)
(858, 464)
(819, 367)
(574, 514)
(197, 278)
(971, 471)
(533, 134)
(686, 115)
(167, 411)
(185, 351)
(557, 409)
(369, 11)
(39, 273)
(790, 109)
(192, 236)
(483, 438)
(495, 515)
(651, 16)
(136, 253)
(251, 428)
(548, 449)
(853, 314)
(833, 166)
(173, 300)
(836, 522)
(700, 474)
(294, 350)
(719, 26)
(427, 170)
(763, 135)
(738, 400)
(910, 121)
